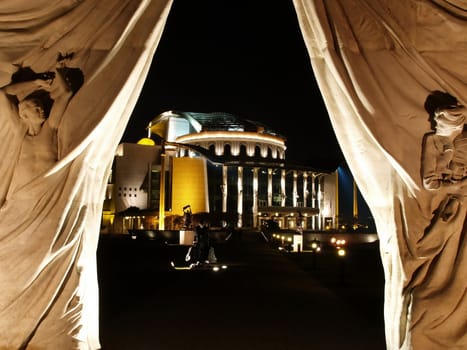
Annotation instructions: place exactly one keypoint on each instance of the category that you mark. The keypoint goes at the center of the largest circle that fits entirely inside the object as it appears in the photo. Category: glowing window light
(229, 136)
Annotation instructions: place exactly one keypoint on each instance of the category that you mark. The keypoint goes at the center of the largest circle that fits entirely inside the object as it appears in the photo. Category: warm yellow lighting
(108, 218)
(339, 242)
(146, 142)
(162, 194)
(229, 136)
(189, 185)
(341, 252)
(159, 128)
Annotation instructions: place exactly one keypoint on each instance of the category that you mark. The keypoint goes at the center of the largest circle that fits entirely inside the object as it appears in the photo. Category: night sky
(245, 57)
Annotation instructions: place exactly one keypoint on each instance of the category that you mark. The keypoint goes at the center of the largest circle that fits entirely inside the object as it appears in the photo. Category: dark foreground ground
(265, 299)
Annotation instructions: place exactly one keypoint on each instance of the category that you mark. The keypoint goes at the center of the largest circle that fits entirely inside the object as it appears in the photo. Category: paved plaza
(264, 299)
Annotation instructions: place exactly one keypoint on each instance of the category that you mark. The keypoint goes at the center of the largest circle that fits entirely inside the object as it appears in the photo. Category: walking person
(202, 242)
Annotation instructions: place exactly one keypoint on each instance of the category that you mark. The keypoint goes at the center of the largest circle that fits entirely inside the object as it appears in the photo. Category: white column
(295, 192)
(336, 215)
(255, 197)
(320, 199)
(269, 187)
(283, 195)
(224, 188)
(305, 198)
(314, 196)
(305, 189)
(240, 196)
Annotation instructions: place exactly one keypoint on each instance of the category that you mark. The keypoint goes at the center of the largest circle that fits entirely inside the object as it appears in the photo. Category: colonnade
(309, 178)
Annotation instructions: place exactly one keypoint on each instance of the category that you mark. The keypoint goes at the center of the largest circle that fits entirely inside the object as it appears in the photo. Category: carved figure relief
(445, 149)
(35, 103)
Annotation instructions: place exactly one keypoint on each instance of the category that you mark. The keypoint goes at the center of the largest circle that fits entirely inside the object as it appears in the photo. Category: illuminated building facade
(217, 163)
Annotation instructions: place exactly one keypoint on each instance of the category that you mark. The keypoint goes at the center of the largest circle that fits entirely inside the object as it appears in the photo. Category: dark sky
(245, 57)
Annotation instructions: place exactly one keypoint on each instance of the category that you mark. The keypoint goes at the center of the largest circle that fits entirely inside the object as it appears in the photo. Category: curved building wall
(253, 144)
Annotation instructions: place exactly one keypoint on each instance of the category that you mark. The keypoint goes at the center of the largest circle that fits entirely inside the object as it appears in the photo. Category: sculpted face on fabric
(31, 112)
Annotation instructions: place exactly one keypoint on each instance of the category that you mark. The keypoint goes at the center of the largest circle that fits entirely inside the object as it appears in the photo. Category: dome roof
(146, 142)
(214, 121)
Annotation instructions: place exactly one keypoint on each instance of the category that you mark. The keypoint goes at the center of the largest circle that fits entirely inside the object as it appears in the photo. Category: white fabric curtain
(51, 206)
(376, 63)
(385, 69)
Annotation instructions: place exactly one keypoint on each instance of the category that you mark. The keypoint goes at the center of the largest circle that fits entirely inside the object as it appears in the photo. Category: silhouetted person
(187, 214)
(202, 244)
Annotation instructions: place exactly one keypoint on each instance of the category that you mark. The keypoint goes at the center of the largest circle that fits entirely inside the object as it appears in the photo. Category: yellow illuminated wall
(189, 185)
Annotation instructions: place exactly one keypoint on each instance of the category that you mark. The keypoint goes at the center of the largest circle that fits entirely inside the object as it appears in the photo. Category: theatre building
(231, 170)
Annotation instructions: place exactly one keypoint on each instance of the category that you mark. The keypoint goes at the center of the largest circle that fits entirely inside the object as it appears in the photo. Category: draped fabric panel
(91, 58)
(393, 75)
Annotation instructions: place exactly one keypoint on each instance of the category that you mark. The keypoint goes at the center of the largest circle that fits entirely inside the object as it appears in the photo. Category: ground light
(217, 268)
(341, 252)
(339, 244)
(315, 246)
(214, 268)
